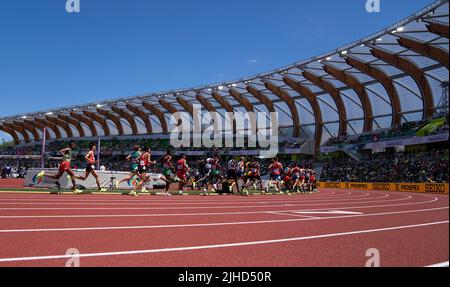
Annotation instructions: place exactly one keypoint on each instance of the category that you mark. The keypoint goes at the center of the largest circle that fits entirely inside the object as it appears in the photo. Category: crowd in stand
(9, 171)
(109, 147)
(408, 129)
(400, 167)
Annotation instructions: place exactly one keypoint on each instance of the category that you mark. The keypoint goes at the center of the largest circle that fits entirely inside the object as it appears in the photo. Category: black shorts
(90, 167)
(231, 174)
(255, 178)
(142, 169)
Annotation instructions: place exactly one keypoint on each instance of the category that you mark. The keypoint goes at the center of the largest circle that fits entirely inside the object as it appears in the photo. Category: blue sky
(121, 48)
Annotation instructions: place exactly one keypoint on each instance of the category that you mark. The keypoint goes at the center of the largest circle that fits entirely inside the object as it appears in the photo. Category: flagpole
(98, 152)
(44, 140)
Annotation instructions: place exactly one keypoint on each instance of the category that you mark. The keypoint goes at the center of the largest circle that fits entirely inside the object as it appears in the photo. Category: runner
(207, 177)
(313, 181)
(254, 176)
(275, 169)
(144, 163)
(134, 167)
(241, 171)
(215, 173)
(287, 178)
(298, 178)
(168, 175)
(90, 167)
(182, 170)
(64, 167)
(232, 166)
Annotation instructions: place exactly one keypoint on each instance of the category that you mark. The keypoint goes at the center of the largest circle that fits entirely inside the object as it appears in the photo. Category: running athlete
(144, 163)
(133, 158)
(254, 176)
(215, 173)
(207, 178)
(287, 178)
(168, 168)
(90, 167)
(298, 178)
(64, 167)
(313, 181)
(182, 170)
(199, 175)
(307, 183)
(275, 169)
(232, 166)
(240, 171)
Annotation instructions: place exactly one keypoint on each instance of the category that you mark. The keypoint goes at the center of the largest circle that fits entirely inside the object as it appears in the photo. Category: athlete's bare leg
(56, 176)
(83, 178)
(72, 178)
(133, 174)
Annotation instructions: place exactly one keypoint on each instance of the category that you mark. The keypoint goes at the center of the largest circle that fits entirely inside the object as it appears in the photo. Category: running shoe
(77, 191)
(38, 177)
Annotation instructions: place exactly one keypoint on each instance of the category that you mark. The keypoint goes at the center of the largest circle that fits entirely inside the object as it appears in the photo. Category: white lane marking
(227, 245)
(150, 208)
(209, 213)
(294, 215)
(142, 202)
(443, 264)
(219, 223)
(328, 212)
(161, 199)
(114, 198)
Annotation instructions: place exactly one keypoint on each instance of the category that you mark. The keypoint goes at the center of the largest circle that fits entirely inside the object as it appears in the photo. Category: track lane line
(17, 202)
(217, 224)
(294, 215)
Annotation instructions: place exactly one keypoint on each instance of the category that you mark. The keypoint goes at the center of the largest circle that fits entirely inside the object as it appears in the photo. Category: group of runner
(239, 174)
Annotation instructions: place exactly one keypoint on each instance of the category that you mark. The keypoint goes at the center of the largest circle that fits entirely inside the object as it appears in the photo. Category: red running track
(330, 228)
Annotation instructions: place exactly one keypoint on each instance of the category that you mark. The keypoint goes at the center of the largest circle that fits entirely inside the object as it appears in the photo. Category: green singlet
(135, 161)
(68, 156)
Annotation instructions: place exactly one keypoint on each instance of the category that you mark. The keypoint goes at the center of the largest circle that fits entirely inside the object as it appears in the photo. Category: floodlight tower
(443, 102)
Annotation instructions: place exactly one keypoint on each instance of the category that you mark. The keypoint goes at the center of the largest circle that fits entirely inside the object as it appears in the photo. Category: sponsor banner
(400, 187)
(408, 187)
(337, 185)
(436, 188)
(382, 186)
(358, 185)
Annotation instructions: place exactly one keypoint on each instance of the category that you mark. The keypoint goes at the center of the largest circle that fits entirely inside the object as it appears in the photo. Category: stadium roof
(382, 81)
